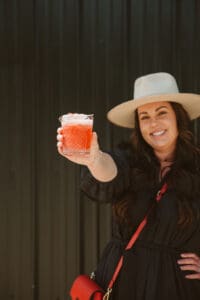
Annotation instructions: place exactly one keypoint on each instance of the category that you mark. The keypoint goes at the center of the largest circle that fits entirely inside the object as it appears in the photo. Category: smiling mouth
(158, 133)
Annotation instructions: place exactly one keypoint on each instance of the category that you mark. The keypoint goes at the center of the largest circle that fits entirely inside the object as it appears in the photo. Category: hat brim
(123, 114)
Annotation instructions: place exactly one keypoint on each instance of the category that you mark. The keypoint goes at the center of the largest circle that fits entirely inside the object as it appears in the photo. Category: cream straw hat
(153, 88)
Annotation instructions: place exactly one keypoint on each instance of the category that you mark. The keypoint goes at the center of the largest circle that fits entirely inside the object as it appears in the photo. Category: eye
(144, 118)
(162, 112)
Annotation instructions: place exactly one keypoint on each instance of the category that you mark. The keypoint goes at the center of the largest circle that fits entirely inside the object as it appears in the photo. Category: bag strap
(133, 240)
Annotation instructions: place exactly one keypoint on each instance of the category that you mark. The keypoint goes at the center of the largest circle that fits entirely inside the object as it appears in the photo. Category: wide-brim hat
(150, 88)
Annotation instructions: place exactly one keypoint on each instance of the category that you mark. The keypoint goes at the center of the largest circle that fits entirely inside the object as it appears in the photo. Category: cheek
(176, 133)
(174, 130)
(144, 131)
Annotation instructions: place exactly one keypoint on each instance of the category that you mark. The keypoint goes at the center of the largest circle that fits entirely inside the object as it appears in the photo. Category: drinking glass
(77, 132)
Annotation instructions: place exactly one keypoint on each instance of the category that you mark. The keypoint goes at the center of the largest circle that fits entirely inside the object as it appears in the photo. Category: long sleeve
(108, 191)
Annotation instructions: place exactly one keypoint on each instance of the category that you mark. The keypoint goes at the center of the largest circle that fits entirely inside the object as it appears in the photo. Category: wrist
(95, 161)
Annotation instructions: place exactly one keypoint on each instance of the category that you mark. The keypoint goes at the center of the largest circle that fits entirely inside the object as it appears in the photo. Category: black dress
(150, 270)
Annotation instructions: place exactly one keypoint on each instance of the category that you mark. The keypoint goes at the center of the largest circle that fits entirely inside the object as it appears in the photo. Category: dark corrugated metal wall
(60, 56)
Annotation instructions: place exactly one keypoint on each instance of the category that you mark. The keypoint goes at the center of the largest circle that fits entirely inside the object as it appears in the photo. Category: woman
(164, 263)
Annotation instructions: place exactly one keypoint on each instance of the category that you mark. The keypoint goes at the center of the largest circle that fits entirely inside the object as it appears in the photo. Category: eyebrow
(158, 108)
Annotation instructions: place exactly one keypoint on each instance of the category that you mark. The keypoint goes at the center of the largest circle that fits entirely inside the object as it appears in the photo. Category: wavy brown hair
(184, 176)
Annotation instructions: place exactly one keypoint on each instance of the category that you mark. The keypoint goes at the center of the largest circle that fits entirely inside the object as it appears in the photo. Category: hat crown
(155, 84)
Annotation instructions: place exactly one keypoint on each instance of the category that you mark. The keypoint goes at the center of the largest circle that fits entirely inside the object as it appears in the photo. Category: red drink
(77, 137)
(77, 133)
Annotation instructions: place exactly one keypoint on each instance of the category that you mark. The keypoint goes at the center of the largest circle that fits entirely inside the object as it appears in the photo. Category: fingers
(190, 262)
(192, 255)
(190, 268)
(59, 130)
(193, 276)
(59, 138)
(83, 159)
(94, 148)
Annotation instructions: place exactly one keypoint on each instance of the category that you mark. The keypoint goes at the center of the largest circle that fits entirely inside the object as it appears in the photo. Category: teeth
(158, 133)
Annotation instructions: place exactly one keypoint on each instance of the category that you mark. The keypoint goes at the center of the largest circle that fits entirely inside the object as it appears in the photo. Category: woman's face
(158, 126)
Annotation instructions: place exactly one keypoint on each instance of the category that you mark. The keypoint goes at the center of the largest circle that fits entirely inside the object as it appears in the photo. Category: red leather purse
(85, 288)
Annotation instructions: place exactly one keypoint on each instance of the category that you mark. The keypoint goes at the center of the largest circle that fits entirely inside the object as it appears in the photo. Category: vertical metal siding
(60, 56)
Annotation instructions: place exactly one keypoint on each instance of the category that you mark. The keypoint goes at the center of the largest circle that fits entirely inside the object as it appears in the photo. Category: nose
(153, 122)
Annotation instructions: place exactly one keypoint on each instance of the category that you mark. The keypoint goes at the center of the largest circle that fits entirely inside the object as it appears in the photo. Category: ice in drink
(77, 132)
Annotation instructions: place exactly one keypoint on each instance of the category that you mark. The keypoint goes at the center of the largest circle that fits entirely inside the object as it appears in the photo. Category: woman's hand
(190, 262)
(100, 164)
(82, 159)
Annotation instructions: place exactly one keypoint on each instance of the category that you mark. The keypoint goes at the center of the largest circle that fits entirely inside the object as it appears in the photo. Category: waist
(163, 247)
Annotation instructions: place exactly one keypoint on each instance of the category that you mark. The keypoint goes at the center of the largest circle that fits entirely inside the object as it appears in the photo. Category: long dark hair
(184, 176)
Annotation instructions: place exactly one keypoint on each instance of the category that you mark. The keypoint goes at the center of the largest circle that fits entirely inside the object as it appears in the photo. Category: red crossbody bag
(85, 288)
